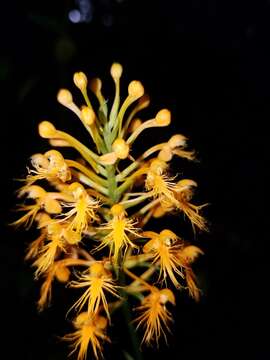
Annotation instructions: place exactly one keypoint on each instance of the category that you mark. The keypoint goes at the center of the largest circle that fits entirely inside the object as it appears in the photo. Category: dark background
(206, 60)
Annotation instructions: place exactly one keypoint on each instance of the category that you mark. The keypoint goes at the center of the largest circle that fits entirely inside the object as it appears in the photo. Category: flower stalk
(92, 219)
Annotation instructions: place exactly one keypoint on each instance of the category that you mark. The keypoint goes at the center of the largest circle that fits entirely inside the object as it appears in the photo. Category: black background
(206, 60)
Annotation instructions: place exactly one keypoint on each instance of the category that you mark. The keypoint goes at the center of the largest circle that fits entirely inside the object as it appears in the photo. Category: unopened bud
(144, 101)
(64, 97)
(121, 148)
(163, 117)
(135, 89)
(96, 85)
(134, 125)
(46, 130)
(88, 115)
(116, 71)
(80, 80)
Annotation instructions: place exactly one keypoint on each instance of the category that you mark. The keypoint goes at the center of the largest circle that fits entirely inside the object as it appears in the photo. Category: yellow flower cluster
(92, 213)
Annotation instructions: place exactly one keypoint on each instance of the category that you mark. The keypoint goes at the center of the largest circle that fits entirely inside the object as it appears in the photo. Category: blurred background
(206, 60)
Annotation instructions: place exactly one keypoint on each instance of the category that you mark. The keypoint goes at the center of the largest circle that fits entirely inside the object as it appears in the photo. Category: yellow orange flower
(119, 229)
(91, 331)
(159, 184)
(97, 281)
(184, 193)
(155, 317)
(82, 208)
(49, 251)
(164, 248)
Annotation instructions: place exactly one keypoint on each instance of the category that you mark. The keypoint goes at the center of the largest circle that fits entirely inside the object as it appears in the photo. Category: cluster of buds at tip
(93, 216)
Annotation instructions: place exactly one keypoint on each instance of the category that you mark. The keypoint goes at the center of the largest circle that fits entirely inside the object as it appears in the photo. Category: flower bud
(135, 123)
(135, 89)
(64, 97)
(96, 85)
(46, 130)
(163, 117)
(88, 115)
(121, 148)
(116, 71)
(144, 101)
(80, 80)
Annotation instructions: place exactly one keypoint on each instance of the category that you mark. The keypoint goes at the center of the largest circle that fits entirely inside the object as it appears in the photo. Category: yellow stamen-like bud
(96, 85)
(144, 101)
(116, 71)
(88, 115)
(135, 89)
(121, 148)
(117, 210)
(135, 123)
(46, 130)
(80, 80)
(163, 117)
(64, 97)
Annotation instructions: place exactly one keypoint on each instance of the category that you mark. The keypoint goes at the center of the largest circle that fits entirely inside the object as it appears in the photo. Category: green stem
(112, 184)
(114, 197)
(137, 355)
